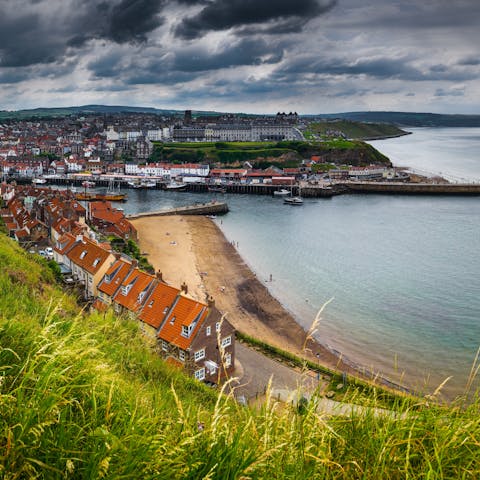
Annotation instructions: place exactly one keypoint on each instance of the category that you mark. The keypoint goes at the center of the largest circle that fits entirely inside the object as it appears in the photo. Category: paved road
(255, 370)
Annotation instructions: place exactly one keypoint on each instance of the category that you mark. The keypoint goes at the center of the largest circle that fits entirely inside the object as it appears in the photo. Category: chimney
(134, 263)
(117, 255)
(184, 287)
(210, 302)
(159, 276)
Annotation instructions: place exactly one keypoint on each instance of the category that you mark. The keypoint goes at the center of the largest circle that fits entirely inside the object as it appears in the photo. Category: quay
(211, 208)
(397, 188)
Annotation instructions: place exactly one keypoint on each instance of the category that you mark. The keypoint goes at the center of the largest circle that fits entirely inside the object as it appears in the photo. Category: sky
(255, 56)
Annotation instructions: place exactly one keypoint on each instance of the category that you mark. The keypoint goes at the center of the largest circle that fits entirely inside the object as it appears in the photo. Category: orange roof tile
(186, 313)
(88, 256)
(114, 277)
(158, 304)
(133, 290)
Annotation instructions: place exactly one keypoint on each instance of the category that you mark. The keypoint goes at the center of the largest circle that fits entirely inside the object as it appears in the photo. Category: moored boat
(281, 193)
(176, 186)
(39, 181)
(293, 200)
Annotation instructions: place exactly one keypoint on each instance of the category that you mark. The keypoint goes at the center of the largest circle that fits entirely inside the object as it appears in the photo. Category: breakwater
(409, 188)
(211, 208)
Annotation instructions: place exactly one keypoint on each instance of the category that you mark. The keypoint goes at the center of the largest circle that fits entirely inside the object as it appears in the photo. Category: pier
(211, 208)
(397, 188)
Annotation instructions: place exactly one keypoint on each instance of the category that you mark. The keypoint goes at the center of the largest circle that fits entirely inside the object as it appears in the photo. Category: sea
(398, 276)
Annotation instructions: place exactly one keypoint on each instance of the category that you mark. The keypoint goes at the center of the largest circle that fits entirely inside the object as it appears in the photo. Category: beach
(193, 250)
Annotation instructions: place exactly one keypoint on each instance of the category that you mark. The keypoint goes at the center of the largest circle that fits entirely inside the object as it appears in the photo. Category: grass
(81, 396)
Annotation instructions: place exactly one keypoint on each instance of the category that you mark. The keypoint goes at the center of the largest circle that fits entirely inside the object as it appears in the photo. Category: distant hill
(354, 130)
(407, 119)
(397, 118)
(91, 109)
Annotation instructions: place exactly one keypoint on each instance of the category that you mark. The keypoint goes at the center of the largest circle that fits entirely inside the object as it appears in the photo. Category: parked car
(49, 252)
(42, 253)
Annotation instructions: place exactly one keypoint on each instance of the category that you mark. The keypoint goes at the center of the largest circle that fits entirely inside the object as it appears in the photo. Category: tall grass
(81, 396)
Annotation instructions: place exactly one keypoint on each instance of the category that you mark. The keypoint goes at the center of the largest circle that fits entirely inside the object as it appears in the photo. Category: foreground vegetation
(82, 396)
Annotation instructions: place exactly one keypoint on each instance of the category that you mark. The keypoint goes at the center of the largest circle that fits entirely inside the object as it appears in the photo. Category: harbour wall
(212, 208)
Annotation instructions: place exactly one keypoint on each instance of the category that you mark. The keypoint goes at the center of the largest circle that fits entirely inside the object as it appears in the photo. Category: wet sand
(203, 258)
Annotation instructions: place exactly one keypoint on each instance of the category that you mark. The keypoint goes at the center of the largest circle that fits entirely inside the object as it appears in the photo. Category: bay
(403, 272)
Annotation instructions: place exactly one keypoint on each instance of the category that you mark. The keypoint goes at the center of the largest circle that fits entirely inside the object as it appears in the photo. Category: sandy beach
(195, 251)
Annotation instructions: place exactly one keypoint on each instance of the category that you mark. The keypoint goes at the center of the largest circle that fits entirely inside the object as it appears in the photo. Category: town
(79, 244)
(148, 151)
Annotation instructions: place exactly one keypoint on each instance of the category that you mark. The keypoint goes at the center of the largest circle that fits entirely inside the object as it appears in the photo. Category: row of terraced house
(188, 333)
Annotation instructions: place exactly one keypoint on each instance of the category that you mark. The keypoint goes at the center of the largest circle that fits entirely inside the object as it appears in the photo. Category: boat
(176, 186)
(91, 197)
(39, 181)
(112, 194)
(88, 184)
(293, 200)
(281, 193)
(142, 183)
(217, 189)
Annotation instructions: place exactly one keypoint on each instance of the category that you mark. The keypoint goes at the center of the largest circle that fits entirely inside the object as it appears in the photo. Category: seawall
(212, 208)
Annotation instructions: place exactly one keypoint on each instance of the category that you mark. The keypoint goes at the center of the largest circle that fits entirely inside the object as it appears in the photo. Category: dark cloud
(225, 14)
(454, 92)
(46, 33)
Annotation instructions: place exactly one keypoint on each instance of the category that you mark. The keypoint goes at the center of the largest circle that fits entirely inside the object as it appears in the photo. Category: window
(227, 341)
(96, 262)
(200, 374)
(228, 359)
(209, 331)
(82, 255)
(217, 327)
(164, 346)
(181, 355)
(200, 354)
(186, 331)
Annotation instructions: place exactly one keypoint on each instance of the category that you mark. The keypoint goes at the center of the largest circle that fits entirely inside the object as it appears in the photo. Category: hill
(264, 154)
(408, 119)
(353, 130)
(81, 396)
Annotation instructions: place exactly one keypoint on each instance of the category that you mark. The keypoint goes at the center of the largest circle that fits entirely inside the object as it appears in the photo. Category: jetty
(210, 208)
(407, 188)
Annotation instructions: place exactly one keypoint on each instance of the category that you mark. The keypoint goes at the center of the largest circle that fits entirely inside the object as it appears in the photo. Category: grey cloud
(454, 92)
(44, 32)
(225, 14)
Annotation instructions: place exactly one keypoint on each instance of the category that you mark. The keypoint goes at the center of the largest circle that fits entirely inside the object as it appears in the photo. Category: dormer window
(150, 305)
(83, 254)
(126, 289)
(172, 321)
(186, 331)
(96, 262)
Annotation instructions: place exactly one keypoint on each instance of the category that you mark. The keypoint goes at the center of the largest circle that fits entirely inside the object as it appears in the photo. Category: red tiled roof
(114, 277)
(186, 312)
(132, 286)
(88, 256)
(158, 304)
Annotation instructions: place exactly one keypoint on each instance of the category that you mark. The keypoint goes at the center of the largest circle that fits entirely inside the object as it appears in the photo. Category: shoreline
(210, 265)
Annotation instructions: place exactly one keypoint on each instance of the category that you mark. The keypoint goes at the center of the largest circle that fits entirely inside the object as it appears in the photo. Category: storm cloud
(280, 16)
(250, 55)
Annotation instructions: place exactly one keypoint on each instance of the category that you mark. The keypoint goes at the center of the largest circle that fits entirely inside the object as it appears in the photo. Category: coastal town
(189, 333)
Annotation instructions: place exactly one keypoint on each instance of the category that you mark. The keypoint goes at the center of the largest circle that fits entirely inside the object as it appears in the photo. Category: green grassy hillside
(81, 396)
(357, 130)
(292, 152)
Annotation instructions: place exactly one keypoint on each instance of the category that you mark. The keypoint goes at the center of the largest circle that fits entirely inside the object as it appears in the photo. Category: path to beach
(194, 250)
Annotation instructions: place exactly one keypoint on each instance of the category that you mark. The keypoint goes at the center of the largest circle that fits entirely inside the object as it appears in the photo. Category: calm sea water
(403, 272)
